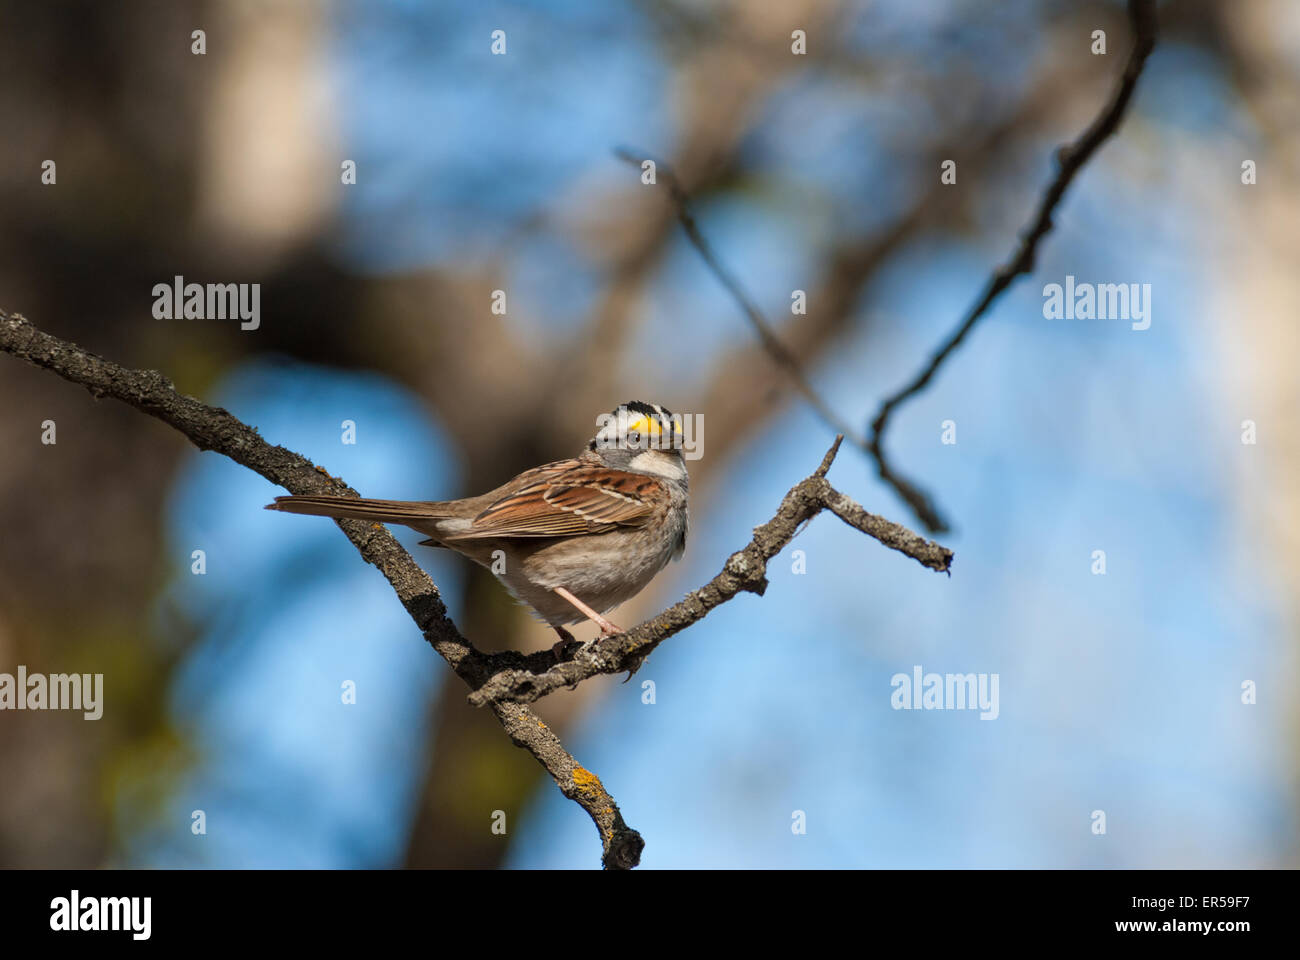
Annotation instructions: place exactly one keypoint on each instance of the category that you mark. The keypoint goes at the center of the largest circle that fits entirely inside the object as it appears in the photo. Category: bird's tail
(356, 508)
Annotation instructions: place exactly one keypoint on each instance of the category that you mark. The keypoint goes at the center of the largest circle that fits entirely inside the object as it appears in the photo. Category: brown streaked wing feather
(585, 499)
(602, 503)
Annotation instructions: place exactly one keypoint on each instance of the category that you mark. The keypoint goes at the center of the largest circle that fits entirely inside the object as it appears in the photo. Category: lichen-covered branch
(212, 428)
(506, 681)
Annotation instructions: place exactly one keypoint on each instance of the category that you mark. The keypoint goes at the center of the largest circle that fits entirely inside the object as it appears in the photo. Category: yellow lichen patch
(542, 725)
(586, 781)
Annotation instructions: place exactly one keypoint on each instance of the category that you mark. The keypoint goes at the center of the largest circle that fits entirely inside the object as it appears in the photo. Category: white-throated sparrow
(571, 539)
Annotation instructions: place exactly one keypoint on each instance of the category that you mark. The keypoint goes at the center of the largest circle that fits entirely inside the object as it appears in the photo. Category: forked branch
(504, 682)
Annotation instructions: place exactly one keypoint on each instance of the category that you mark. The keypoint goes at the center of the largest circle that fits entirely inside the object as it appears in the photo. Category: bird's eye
(634, 437)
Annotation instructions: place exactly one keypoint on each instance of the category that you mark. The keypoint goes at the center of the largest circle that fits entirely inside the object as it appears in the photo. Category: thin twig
(1070, 160)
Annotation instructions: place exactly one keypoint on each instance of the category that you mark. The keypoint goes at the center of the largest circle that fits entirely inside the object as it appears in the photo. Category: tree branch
(212, 428)
(502, 681)
(744, 571)
(1070, 160)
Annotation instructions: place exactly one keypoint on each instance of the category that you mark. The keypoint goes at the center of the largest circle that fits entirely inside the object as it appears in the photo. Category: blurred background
(477, 172)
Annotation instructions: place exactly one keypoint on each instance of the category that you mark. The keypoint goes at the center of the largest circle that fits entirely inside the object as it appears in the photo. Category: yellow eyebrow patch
(644, 424)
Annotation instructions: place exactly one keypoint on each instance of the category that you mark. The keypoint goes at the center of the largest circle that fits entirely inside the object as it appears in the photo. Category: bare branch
(1070, 160)
(849, 266)
(212, 428)
(744, 571)
(502, 681)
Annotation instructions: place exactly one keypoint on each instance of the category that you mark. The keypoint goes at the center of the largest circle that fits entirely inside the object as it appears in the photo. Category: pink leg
(606, 627)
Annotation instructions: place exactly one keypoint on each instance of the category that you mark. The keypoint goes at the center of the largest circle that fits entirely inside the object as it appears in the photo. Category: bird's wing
(582, 499)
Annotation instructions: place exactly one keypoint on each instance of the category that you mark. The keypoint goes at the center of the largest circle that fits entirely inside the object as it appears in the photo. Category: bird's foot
(565, 646)
(633, 664)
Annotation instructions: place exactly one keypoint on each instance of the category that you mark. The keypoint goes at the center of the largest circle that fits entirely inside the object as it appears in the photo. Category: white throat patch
(659, 463)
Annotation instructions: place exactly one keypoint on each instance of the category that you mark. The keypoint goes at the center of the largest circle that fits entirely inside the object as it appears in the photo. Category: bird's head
(639, 436)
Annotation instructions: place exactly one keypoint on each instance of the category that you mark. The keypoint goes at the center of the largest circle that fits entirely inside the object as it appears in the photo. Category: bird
(571, 539)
